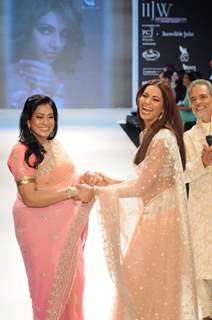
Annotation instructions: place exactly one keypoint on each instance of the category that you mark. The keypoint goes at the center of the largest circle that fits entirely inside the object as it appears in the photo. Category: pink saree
(147, 241)
(51, 238)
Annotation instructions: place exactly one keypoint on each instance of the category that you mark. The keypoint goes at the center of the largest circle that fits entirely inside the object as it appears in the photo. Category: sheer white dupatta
(145, 228)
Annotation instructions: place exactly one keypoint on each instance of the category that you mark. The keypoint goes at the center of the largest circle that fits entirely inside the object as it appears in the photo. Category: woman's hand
(91, 178)
(85, 193)
(39, 75)
(106, 181)
(207, 155)
(97, 179)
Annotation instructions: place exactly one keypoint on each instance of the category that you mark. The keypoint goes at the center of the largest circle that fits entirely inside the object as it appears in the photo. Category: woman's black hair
(26, 136)
(170, 119)
(193, 75)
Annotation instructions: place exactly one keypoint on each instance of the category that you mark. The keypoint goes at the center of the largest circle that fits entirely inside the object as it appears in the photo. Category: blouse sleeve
(18, 167)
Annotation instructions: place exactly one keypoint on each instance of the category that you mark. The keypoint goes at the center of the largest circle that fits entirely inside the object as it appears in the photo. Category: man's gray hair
(194, 83)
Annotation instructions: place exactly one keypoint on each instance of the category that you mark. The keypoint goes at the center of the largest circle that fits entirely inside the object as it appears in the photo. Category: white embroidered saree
(147, 244)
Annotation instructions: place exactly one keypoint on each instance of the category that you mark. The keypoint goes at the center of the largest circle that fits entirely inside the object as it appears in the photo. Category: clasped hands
(85, 189)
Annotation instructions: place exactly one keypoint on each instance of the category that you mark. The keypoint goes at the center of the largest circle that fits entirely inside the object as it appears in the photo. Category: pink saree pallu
(51, 238)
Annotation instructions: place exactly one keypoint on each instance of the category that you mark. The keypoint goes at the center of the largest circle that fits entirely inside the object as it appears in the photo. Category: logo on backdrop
(151, 55)
(147, 33)
(155, 9)
(184, 55)
(189, 68)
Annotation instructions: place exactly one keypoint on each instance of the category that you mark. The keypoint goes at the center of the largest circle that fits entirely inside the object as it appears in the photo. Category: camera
(209, 139)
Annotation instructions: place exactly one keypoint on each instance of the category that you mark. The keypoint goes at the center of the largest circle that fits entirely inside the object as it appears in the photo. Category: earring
(161, 116)
(51, 135)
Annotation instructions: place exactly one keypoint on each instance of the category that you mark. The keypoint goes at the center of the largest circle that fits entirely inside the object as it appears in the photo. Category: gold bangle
(25, 180)
(71, 192)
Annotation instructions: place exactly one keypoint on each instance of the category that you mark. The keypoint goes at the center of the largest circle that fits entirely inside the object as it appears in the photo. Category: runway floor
(94, 141)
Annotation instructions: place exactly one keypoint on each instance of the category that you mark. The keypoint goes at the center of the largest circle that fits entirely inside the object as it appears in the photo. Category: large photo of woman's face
(36, 68)
(49, 37)
(45, 40)
(65, 49)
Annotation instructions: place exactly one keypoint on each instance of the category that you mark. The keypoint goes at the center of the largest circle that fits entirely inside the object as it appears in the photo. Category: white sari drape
(147, 244)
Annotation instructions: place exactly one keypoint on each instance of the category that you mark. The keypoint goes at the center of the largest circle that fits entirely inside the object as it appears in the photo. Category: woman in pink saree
(144, 219)
(50, 226)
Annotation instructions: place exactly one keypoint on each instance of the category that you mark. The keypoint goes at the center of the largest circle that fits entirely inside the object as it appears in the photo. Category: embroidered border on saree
(64, 278)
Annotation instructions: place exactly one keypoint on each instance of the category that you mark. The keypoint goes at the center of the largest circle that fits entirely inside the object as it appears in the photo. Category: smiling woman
(50, 225)
(42, 122)
(150, 105)
(46, 39)
(144, 219)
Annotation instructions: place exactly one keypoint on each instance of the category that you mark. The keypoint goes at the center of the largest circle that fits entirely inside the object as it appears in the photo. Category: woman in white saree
(148, 245)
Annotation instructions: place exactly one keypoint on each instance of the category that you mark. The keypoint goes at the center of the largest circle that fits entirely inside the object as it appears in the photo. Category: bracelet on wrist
(71, 192)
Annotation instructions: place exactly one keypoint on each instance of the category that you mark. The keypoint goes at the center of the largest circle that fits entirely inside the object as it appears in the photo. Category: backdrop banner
(174, 32)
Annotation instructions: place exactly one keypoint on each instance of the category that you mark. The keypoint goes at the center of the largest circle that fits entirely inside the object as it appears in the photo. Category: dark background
(194, 21)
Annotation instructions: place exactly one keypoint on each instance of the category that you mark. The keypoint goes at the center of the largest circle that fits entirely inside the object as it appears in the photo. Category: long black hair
(170, 119)
(26, 136)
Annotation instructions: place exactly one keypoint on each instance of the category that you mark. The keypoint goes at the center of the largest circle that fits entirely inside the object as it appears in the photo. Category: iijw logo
(155, 9)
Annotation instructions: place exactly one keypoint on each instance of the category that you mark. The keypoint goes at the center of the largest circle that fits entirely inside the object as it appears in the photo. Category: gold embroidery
(43, 274)
(54, 237)
(66, 270)
(55, 156)
(25, 180)
(44, 217)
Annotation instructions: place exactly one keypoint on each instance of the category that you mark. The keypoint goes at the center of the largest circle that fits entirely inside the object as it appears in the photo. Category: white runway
(94, 141)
